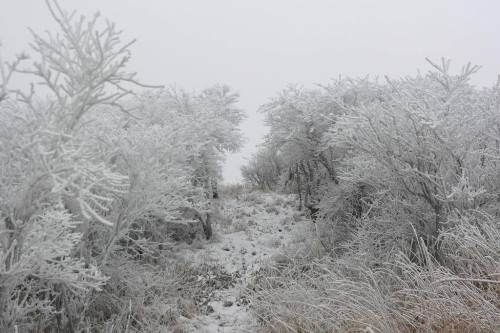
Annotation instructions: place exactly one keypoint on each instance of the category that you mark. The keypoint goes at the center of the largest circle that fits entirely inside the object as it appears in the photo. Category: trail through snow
(251, 233)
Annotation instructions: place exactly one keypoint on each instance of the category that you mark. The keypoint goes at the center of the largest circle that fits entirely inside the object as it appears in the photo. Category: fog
(258, 47)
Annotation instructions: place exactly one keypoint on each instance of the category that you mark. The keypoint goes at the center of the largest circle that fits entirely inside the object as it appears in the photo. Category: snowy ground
(252, 232)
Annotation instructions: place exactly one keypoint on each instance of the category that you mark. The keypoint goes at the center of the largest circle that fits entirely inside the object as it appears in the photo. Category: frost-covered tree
(411, 228)
(424, 140)
(54, 181)
(206, 125)
(264, 169)
(89, 169)
(298, 120)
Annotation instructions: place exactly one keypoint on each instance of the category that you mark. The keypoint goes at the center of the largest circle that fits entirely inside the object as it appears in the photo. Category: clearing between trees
(252, 234)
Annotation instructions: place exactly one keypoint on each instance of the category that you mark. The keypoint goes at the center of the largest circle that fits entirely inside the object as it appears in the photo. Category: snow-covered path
(250, 234)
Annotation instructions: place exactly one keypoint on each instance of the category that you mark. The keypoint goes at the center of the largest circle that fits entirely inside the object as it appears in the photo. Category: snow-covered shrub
(296, 156)
(351, 294)
(471, 245)
(263, 171)
(422, 144)
(55, 180)
(253, 197)
(410, 219)
(42, 261)
(89, 173)
(233, 191)
(204, 127)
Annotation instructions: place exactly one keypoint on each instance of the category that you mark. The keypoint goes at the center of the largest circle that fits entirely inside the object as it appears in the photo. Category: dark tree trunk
(329, 167)
(207, 226)
(299, 186)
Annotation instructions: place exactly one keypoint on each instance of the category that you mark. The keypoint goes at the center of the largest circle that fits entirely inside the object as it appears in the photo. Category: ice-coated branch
(83, 67)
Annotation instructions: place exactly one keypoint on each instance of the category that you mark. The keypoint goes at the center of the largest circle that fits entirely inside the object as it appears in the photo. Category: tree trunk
(207, 226)
(299, 186)
(331, 170)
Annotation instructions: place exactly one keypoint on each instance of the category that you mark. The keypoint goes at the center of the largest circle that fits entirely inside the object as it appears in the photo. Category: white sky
(260, 46)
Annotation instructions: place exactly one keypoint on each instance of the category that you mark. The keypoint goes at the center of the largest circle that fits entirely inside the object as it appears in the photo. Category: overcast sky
(260, 46)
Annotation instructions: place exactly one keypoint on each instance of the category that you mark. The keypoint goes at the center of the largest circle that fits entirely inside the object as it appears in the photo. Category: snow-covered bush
(410, 218)
(88, 168)
(424, 146)
(54, 181)
(299, 120)
(263, 171)
(347, 295)
(204, 127)
(71, 163)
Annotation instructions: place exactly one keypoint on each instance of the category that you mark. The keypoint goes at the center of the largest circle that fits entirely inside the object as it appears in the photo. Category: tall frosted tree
(54, 180)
